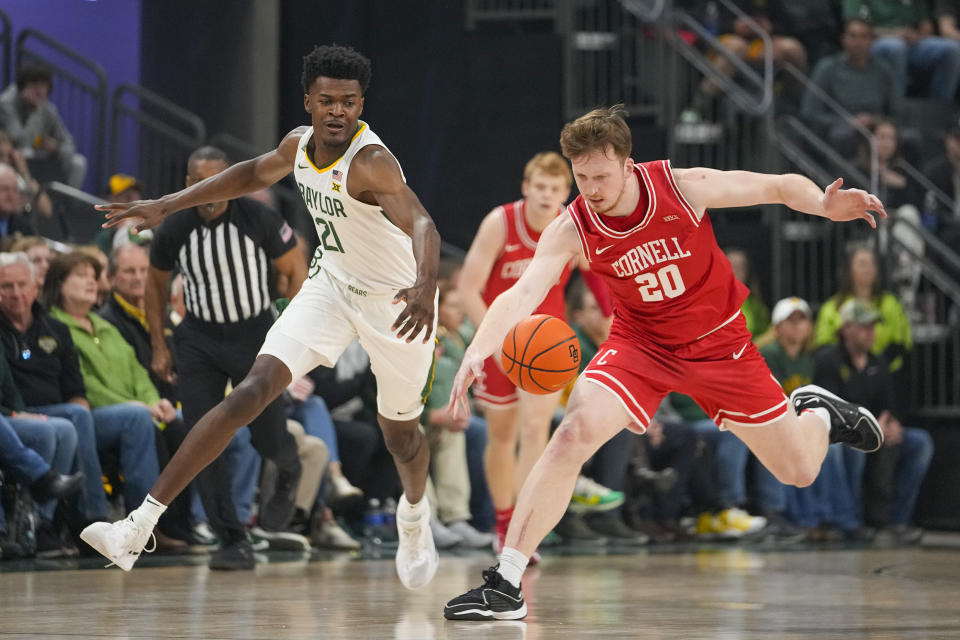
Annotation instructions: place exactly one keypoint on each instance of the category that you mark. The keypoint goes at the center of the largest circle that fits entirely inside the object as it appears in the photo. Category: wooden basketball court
(720, 593)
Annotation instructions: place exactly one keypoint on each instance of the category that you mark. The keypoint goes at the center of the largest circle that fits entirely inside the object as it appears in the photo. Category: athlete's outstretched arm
(558, 245)
(483, 253)
(374, 172)
(237, 180)
(712, 189)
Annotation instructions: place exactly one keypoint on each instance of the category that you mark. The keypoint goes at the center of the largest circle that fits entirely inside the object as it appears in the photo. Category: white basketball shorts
(322, 319)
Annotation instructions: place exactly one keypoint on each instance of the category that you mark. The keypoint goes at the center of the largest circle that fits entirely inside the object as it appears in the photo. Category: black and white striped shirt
(225, 262)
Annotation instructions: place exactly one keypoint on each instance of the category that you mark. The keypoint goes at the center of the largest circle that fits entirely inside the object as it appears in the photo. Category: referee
(226, 252)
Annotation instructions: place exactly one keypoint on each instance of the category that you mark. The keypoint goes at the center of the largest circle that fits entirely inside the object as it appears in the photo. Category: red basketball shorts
(723, 372)
(493, 388)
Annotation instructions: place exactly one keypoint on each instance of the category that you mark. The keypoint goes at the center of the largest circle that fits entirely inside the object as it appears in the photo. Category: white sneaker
(340, 493)
(417, 557)
(471, 537)
(331, 535)
(443, 536)
(120, 542)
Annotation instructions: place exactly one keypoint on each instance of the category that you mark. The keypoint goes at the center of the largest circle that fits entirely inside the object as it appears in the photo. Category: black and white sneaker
(850, 424)
(495, 599)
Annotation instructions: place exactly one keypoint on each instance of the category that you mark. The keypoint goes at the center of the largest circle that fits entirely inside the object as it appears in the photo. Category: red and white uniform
(494, 388)
(677, 323)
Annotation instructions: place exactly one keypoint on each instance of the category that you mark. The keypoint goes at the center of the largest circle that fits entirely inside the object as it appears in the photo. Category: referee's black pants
(208, 355)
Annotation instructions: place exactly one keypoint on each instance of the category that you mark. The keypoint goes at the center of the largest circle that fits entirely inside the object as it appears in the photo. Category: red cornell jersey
(516, 254)
(670, 282)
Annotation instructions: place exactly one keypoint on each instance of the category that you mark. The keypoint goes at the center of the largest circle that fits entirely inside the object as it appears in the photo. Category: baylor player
(378, 248)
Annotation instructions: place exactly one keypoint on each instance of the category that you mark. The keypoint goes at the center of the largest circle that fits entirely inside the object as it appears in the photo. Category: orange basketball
(541, 354)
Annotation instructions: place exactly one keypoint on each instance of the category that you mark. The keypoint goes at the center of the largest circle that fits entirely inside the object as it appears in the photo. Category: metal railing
(161, 133)
(74, 219)
(6, 43)
(79, 92)
(480, 10)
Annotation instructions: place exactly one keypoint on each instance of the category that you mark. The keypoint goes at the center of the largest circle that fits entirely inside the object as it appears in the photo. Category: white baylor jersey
(359, 245)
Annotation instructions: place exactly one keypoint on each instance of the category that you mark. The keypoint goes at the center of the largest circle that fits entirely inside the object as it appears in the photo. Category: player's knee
(251, 396)
(797, 475)
(402, 443)
(571, 443)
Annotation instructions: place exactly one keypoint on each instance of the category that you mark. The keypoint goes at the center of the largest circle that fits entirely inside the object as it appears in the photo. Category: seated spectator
(39, 252)
(103, 282)
(55, 440)
(35, 125)
(907, 44)
(35, 198)
(46, 370)
(944, 173)
(14, 221)
(602, 486)
(859, 82)
(122, 188)
(830, 499)
(111, 374)
(447, 438)
(754, 311)
(861, 281)
(894, 473)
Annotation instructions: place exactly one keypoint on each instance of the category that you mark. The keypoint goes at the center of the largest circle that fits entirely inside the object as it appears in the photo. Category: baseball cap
(858, 312)
(785, 308)
(120, 182)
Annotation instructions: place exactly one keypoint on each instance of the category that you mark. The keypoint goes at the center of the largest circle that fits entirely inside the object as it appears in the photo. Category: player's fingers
(834, 185)
(870, 219)
(876, 205)
(401, 319)
(415, 330)
(428, 326)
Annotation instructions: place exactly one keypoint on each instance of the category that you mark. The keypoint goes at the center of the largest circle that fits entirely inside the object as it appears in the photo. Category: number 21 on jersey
(666, 282)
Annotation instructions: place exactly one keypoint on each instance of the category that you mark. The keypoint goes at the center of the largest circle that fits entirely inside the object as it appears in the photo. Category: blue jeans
(92, 501)
(56, 441)
(244, 464)
(18, 459)
(937, 57)
(313, 414)
(834, 497)
(129, 430)
(916, 451)
(481, 505)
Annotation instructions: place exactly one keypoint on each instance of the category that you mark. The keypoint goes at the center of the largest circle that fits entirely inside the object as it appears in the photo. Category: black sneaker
(573, 529)
(850, 424)
(495, 599)
(616, 532)
(235, 556)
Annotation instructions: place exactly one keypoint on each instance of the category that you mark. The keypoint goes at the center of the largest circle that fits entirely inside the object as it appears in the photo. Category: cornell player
(677, 325)
(378, 248)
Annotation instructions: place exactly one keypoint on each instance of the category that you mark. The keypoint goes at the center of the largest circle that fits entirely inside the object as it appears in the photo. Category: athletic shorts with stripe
(494, 389)
(326, 315)
(723, 372)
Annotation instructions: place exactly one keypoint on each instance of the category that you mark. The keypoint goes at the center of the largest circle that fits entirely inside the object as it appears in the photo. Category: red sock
(503, 519)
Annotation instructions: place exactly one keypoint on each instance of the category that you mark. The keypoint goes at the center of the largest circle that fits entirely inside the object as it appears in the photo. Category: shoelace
(129, 523)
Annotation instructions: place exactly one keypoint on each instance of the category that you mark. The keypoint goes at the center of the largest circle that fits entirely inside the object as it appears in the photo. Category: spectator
(122, 188)
(46, 370)
(944, 173)
(55, 440)
(447, 436)
(754, 311)
(900, 195)
(861, 281)
(605, 476)
(859, 82)
(13, 220)
(35, 198)
(895, 472)
(908, 45)
(35, 125)
(103, 282)
(831, 498)
(229, 312)
(40, 255)
(111, 374)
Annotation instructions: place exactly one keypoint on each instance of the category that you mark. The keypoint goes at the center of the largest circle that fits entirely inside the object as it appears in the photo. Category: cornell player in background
(677, 326)
(378, 248)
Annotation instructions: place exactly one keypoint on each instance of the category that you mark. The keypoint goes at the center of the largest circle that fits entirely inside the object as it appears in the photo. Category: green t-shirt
(791, 373)
(892, 339)
(449, 354)
(756, 314)
(587, 347)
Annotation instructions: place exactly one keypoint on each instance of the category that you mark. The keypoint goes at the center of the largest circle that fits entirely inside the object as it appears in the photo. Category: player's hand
(418, 314)
(149, 213)
(841, 205)
(162, 364)
(471, 368)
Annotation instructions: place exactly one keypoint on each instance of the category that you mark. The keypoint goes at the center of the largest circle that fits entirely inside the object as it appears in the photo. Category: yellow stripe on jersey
(330, 166)
(428, 385)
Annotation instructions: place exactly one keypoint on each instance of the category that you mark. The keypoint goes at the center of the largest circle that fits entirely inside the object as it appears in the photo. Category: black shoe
(575, 530)
(55, 485)
(51, 543)
(616, 532)
(236, 556)
(495, 599)
(279, 510)
(850, 424)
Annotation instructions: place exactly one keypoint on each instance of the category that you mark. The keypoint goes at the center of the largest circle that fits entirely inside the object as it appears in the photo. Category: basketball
(541, 354)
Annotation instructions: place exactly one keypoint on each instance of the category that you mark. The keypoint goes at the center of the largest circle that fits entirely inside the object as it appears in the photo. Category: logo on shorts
(737, 354)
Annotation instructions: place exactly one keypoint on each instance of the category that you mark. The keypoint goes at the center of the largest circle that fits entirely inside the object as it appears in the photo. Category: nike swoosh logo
(302, 166)
(511, 247)
(610, 246)
(737, 354)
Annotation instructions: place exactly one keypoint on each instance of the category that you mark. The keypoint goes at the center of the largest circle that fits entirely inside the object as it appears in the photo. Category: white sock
(412, 512)
(821, 413)
(150, 510)
(512, 565)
